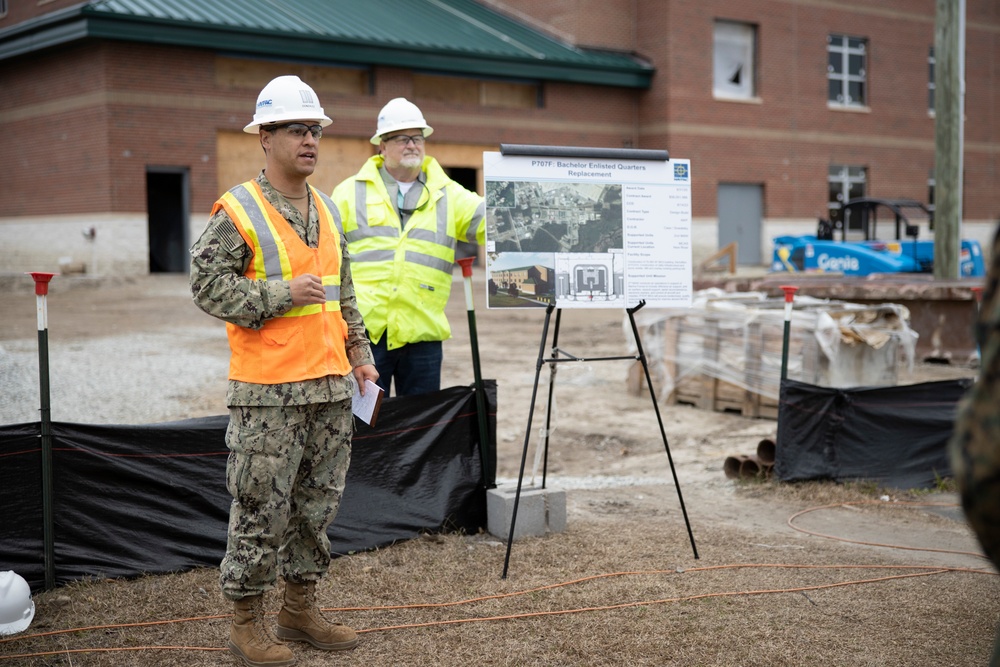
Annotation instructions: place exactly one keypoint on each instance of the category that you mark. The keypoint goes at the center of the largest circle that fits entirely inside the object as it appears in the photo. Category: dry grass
(673, 609)
(689, 612)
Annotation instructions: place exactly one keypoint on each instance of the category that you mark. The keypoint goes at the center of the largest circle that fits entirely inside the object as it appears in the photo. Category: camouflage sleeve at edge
(219, 259)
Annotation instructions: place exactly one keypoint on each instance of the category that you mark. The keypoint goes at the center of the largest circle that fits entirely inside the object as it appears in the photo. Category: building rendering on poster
(585, 232)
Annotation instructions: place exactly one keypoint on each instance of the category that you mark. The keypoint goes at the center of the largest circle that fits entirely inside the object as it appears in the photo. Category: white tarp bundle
(738, 338)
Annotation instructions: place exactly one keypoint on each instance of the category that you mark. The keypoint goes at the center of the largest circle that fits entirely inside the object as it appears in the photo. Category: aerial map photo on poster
(587, 232)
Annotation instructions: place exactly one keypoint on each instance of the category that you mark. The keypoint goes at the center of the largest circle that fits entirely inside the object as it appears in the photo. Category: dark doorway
(465, 177)
(167, 207)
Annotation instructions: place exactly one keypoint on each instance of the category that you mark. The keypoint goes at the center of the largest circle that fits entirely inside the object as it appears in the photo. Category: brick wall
(787, 138)
(84, 122)
(121, 107)
(608, 24)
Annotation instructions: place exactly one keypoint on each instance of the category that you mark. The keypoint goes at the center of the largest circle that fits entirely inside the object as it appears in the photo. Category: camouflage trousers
(975, 443)
(286, 472)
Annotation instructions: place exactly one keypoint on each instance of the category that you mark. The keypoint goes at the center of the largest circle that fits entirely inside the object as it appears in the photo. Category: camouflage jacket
(219, 259)
(975, 444)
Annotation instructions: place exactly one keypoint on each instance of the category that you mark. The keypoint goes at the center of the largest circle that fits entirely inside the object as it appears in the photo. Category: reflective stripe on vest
(338, 223)
(253, 208)
(438, 236)
(269, 257)
(478, 220)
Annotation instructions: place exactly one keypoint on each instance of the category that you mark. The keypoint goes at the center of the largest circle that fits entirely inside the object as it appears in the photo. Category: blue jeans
(415, 367)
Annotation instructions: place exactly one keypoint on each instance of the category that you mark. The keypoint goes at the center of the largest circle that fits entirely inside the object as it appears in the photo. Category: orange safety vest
(308, 341)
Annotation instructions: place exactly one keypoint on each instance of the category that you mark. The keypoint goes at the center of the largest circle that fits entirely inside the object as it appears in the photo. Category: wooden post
(711, 264)
(949, 105)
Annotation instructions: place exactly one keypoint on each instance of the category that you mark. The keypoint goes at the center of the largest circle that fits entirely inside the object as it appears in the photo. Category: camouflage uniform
(975, 445)
(290, 444)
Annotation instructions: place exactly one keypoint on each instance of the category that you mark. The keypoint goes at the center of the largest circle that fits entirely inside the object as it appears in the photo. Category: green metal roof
(448, 36)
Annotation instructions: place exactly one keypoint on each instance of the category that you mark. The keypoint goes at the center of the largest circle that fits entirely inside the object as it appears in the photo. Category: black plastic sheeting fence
(152, 499)
(896, 436)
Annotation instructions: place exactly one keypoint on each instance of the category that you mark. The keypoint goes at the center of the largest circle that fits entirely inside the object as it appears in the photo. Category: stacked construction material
(724, 353)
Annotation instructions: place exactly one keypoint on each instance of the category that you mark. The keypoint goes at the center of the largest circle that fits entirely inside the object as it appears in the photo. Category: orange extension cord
(883, 503)
(921, 571)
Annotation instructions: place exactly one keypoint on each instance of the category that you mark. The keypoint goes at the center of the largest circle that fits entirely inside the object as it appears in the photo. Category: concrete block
(539, 511)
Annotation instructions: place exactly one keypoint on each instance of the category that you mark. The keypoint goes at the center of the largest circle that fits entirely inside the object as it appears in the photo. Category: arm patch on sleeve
(231, 239)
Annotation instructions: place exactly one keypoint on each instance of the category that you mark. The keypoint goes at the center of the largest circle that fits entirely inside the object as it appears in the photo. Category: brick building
(123, 119)
(534, 280)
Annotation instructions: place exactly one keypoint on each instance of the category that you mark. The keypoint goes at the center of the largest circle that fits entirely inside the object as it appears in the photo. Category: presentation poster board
(587, 232)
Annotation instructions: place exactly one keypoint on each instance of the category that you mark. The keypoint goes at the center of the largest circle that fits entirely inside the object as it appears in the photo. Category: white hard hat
(283, 99)
(16, 607)
(399, 114)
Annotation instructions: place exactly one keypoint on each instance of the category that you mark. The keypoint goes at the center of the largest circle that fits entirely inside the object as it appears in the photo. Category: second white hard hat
(399, 114)
(286, 98)
(16, 607)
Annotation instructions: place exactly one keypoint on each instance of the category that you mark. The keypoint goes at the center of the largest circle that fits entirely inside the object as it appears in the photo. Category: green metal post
(789, 296)
(48, 522)
(466, 264)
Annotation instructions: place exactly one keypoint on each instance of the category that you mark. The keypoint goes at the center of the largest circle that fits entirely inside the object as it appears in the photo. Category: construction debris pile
(724, 353)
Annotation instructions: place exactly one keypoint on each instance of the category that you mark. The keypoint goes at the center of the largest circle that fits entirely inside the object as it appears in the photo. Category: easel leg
(531, 410)
(659, 420)
(548, 407)
(527, 435)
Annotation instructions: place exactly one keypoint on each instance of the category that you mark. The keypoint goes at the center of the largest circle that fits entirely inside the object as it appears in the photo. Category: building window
(734, 49)
(845, 183)
(3, 8)
(846, 70)
(930, 80)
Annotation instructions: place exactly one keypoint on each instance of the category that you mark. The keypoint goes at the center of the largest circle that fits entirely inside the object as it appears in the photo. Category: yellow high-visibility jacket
(308, 341)
(402, 276)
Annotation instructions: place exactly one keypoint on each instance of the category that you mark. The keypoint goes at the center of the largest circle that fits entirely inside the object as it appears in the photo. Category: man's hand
(362, 373)
(307, 289)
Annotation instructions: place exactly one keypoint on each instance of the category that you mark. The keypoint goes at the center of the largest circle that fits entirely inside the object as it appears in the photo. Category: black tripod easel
(559, 356)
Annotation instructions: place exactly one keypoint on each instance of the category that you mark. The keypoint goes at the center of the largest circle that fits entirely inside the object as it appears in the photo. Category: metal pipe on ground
(750, 467)
(731, 466)
(746, 467)
(766, 451)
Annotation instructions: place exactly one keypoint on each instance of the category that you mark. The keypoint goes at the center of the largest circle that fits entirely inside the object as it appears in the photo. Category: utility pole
(949, 109)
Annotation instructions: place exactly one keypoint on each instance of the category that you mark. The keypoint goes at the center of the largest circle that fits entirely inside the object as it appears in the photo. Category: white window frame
(845, 176)
(931, 85)
(843, 48)
(734, 55)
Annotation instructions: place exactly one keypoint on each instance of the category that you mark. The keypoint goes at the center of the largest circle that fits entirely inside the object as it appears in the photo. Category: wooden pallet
(709, 393)
(749, 355)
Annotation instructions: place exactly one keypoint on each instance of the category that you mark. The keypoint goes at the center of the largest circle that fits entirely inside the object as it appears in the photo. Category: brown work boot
(300, 620)
(251, 640)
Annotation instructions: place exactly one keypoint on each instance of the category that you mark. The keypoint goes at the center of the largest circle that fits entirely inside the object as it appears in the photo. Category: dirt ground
(606, 451)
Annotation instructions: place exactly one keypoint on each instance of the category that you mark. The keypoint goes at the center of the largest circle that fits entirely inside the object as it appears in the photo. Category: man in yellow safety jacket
(403, 217)
(271, 264)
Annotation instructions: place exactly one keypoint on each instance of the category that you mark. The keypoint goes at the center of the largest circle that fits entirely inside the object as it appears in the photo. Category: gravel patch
(139, 378)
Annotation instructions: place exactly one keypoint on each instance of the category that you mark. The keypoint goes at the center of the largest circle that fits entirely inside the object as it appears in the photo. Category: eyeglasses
(403, 139)
(298, 130)
(420, 207)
